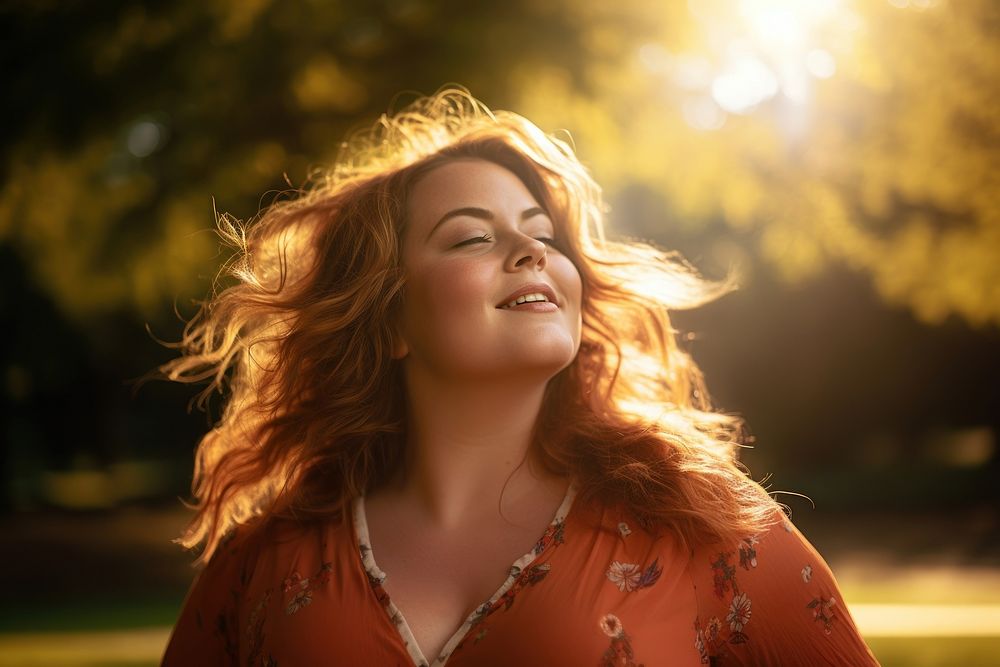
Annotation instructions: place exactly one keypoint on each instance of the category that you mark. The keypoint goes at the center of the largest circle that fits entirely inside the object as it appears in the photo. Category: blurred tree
(122, 123)
(125, 124)
(814, 138)
(816, 132)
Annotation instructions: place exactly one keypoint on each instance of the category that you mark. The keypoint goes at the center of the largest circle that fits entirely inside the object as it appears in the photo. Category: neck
(467, 443)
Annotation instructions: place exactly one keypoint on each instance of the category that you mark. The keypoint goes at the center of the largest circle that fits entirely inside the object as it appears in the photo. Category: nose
(527, 251)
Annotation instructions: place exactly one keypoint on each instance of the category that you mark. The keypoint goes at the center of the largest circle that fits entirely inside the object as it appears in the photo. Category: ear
(400, 348)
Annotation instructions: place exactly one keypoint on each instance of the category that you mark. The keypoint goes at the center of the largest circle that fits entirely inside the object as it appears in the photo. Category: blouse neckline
(551, 535)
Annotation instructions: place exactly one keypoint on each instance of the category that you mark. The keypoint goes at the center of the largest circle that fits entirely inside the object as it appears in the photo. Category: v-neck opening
(376, 576)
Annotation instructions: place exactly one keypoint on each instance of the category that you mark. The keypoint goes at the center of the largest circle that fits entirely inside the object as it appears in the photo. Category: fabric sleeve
(773, 600)
(207, 630)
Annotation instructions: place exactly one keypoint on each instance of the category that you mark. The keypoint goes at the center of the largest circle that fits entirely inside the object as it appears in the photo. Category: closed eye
(485, 238)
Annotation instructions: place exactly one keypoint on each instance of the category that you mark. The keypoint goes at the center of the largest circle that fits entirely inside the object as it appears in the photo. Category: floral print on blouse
(595, 589)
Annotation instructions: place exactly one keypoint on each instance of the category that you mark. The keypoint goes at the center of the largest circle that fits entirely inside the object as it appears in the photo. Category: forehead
(466, 182)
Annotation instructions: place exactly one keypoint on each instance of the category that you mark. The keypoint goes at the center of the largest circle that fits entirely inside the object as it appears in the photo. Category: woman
(460, 431)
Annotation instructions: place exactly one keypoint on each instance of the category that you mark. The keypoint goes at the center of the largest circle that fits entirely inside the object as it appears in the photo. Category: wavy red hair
(302, 343)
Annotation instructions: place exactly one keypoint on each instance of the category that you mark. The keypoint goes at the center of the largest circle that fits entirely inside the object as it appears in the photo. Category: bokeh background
(841, 154)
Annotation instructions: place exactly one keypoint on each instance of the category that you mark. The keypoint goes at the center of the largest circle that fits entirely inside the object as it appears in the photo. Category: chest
(437, 580)
(435, 583)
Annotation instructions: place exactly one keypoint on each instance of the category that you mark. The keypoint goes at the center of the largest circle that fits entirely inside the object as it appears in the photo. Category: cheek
(570, 281)
(571, 284)
(446, 292)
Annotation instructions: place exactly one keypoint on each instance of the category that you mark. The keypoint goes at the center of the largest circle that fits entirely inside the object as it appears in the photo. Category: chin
(537, 355)
(547, 359)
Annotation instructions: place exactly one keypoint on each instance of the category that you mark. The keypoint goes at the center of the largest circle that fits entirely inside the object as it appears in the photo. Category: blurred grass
(90, 615)
(145, 646)
(936, 651)
(133, 633)
(76, 649)
(885, 583)
(75, 601)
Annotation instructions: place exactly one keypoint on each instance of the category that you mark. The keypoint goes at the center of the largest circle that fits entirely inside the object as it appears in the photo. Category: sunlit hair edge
(302, 344)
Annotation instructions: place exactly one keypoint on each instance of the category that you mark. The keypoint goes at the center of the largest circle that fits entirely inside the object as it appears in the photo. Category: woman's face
(476, 240)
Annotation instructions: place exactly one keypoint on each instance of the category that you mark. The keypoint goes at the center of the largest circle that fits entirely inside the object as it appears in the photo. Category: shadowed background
(842, 156)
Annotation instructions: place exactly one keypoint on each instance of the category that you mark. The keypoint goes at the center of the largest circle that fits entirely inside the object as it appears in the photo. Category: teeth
(527, 298)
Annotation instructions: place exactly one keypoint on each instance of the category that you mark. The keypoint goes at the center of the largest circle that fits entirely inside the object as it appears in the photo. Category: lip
(531, 288)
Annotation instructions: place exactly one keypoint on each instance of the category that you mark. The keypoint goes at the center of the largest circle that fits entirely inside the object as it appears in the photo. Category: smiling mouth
(536, 297)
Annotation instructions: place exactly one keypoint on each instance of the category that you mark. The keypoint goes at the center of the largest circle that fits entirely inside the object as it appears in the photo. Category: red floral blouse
(595, 590)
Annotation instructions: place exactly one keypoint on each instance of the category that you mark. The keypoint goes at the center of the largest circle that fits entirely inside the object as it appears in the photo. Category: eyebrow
(481, 214)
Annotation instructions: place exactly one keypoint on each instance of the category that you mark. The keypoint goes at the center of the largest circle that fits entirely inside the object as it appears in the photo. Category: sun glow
(754, 52)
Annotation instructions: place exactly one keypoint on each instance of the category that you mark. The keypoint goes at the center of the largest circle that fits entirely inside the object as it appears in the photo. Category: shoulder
(778, 559)
(771, 598)
(259, 538)
(206, 632)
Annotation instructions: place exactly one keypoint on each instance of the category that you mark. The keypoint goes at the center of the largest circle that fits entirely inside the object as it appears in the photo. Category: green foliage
(872, 149)
(888, 164)
(135, 124)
